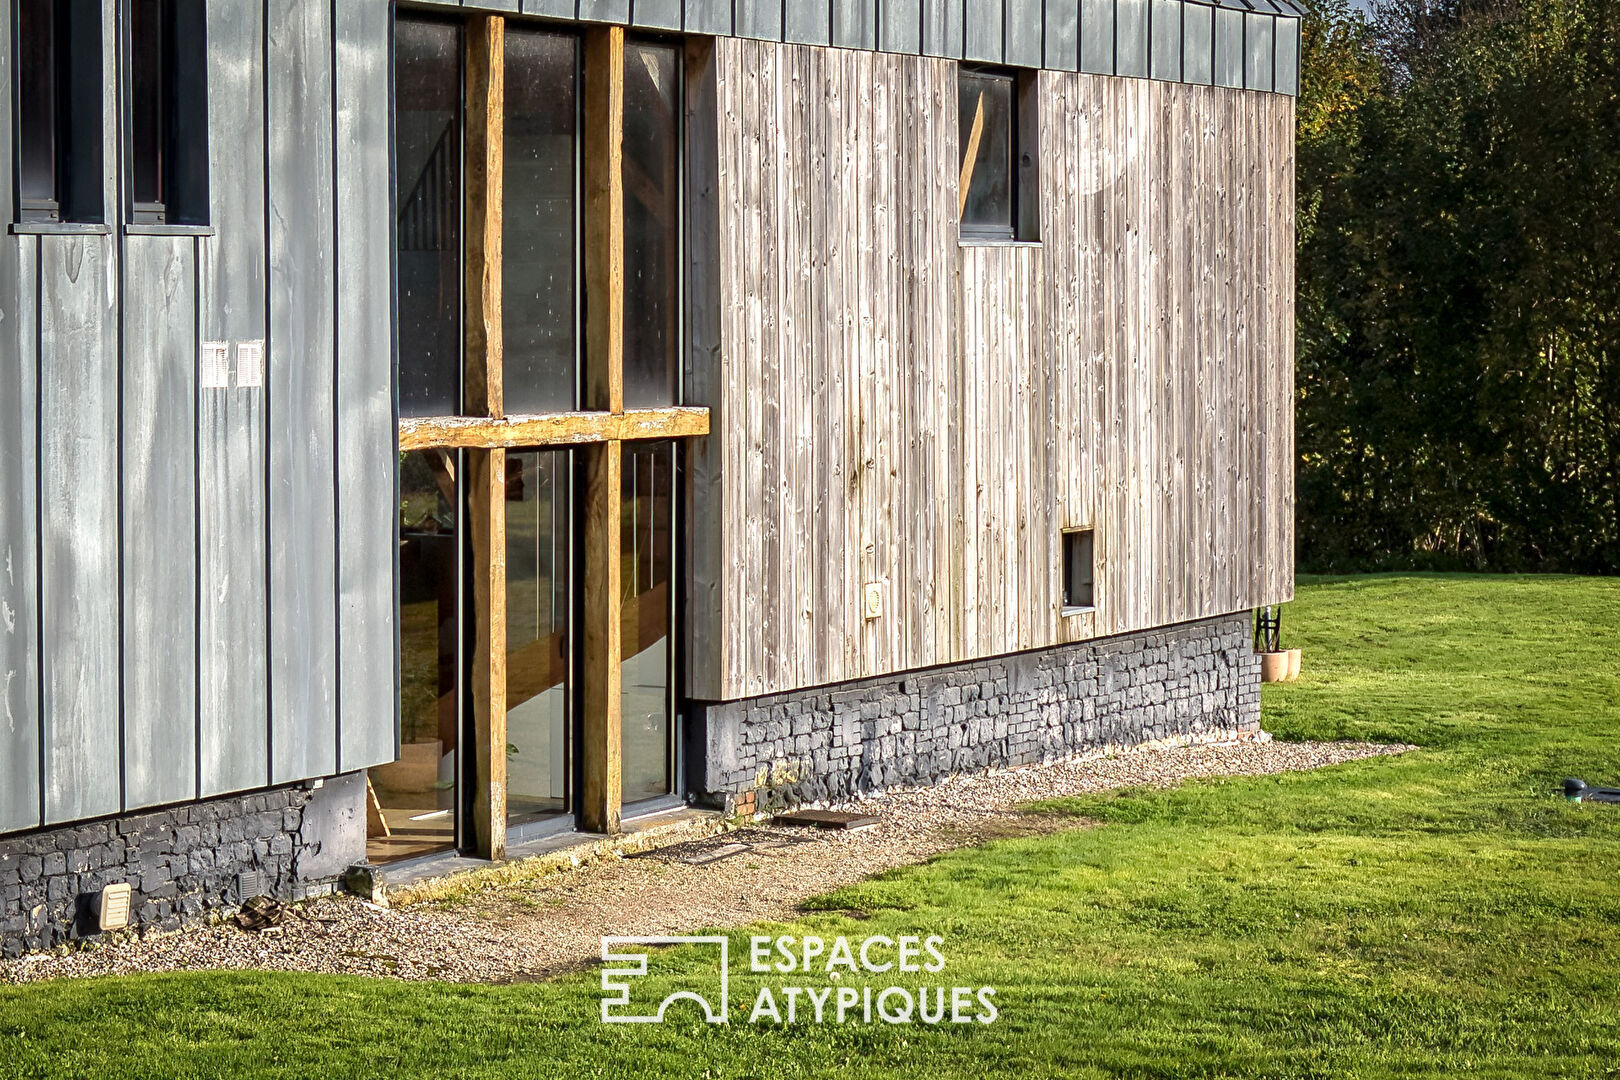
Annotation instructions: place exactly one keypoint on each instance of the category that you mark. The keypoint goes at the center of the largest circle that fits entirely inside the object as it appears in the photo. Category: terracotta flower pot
(1294, 657)
(1273, 667)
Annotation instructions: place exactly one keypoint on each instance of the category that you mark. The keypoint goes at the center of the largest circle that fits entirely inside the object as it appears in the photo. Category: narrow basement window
(1079, 593)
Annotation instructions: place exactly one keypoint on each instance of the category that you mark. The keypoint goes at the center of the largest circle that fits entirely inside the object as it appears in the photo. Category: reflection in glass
(985, 105)
(648, 562)
(427, 144)
(540, 215)
(411, 802)
(537, 600)
(651, 223)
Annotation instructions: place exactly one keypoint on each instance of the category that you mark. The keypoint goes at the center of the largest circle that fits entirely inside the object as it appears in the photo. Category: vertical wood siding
(233, 663)
(894, 408)
(19, 512)
(78, 530)
(159, 455)
(176, 560)
(302, 540)
(366, 504)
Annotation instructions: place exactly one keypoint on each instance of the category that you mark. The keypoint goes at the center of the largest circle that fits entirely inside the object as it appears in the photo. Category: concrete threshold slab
(440, 877)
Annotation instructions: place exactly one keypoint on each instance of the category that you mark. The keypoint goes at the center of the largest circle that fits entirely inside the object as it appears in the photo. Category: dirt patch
(760, 873)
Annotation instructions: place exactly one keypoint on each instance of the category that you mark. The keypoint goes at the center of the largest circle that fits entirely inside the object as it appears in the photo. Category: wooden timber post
(486, 468)
(601, 796)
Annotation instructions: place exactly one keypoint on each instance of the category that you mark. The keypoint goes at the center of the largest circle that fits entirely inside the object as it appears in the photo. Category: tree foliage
(1459, 285)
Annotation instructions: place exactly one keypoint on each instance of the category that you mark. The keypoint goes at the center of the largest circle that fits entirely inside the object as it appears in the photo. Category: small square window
(58, 110)
(997, 114)
(168, 124)
(1079, 593)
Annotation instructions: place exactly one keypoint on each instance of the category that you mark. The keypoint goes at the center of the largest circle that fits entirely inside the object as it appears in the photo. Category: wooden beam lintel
(555, 429)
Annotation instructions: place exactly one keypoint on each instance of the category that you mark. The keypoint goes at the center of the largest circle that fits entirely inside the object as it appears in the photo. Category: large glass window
(652, 210)
(645, 627)
(539, 517)
(411, 802)
(540, 222)
(427, 143)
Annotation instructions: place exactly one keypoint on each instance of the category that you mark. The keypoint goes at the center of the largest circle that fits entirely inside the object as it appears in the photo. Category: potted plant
(1277, 664)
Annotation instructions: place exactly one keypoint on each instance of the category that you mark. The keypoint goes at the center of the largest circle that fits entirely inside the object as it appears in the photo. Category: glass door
(539, 658)
(647, 622)
(411, 802)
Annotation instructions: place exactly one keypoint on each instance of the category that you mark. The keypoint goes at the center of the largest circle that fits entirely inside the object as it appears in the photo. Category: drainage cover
(826, 819)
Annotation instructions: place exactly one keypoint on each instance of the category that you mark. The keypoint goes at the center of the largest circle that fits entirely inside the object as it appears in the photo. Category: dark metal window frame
(1079, 553)
(75, 124)
(181, 144)
(979, 231)
(1023, 158)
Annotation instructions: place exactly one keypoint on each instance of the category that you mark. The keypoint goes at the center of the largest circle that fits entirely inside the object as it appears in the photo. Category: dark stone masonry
(181, 863)
(1197, 681)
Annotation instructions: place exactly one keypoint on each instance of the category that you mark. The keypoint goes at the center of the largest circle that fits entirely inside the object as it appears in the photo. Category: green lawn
(1436, 914)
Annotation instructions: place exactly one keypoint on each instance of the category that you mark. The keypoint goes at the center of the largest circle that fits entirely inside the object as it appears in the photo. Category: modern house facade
(424, 426)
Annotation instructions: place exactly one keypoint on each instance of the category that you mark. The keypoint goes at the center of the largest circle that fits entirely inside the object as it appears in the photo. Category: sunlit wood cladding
(899, 408)
(553, 429)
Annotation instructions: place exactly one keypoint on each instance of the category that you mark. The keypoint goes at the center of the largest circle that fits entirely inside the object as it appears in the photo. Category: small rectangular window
(997, 113)
(58, 110)
(1079, 594)
(168, 123)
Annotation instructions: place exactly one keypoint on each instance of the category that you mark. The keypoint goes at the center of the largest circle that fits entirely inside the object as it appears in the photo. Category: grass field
(1435, 914)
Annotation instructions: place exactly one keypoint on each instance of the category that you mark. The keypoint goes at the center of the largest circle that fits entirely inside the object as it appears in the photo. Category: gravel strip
(556, 923)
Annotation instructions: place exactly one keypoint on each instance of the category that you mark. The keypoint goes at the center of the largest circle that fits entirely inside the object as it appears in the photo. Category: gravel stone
(555, 924)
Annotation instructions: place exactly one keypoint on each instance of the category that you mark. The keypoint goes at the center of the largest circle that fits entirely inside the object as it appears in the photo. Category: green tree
(1459, 185)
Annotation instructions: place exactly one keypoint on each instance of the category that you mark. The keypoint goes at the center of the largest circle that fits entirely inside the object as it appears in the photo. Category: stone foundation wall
(1197, 681)
(181, 862)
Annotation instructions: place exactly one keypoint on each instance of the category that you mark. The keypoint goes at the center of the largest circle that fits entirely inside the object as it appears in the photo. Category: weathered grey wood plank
(1131, 38)
(159, 455)
(608, 11)
(1287, 79)
(232, 530)
(984, 36)
(942, 28)
(656, 14)
(19, 526)
(758, 19)
(808, 22)
(302, 510)
(1259, 51)
(708, 16)
(1229, 47)
(1061, 42)
(79, 598)
(854, 24)
(1097, 36)
(1024, 32)
(900, 26)
(366, 432)
(1198, 44)
(554, 9)
(1165, 53)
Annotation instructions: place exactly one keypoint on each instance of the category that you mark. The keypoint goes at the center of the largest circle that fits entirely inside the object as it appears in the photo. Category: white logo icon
(616, 980)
